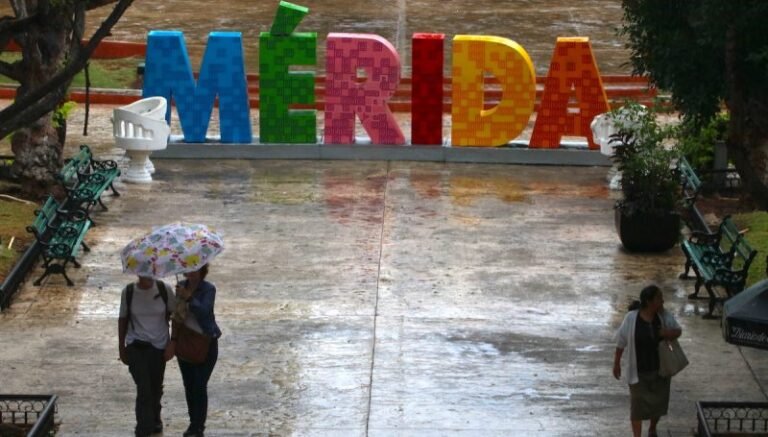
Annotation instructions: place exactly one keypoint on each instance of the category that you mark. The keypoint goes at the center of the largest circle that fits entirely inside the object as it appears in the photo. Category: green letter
(279, 88)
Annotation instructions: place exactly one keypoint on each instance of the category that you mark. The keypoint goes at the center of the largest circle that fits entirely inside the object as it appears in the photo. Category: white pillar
(137, 169)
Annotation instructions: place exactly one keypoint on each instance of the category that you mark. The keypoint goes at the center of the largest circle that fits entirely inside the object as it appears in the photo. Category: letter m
(168, 73)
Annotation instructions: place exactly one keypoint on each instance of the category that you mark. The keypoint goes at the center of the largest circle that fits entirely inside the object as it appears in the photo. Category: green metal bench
(60, 233)
(716, 266)
(85, 179)
(714, 248)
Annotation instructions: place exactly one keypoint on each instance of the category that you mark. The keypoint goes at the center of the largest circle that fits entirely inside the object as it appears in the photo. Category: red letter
(427, 88)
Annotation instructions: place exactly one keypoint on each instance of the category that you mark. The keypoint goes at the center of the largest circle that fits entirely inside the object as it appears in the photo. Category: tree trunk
(38, 147)
(748, 126)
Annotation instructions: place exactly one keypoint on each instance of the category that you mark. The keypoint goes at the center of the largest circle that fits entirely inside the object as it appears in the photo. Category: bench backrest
(743, 255)
(729, 234)
(78, 164)
(44, 217)
(689, 180)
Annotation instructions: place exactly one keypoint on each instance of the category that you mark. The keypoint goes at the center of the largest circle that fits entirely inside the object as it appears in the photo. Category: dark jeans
(147, 368)
(196, 378)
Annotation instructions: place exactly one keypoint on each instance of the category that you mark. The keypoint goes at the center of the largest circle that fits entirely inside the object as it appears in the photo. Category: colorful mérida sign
(572, 72)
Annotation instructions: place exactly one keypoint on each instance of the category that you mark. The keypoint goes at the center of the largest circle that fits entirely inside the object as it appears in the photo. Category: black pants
(195, 377)
(147, 368)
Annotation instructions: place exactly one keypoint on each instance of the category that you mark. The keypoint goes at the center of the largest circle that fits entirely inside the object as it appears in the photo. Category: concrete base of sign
(571, 153)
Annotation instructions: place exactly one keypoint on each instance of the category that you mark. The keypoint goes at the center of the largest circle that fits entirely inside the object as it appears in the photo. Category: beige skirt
(649, 397)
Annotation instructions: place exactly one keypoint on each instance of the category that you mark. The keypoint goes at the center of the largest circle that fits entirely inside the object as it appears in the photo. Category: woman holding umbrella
(198, 296)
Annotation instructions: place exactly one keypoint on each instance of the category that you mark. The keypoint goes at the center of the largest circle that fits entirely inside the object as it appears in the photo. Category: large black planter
(648, 233)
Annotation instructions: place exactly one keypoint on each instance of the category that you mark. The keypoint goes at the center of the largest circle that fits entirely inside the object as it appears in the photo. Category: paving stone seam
(376, 298)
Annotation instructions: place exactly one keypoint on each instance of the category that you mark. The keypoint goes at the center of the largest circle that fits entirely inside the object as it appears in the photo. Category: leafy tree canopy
(708, 53)
(683, 46)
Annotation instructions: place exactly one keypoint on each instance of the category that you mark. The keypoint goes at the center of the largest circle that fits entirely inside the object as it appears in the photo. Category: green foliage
(688, 47)
(61, 113)
(649, 183)
(697, 143)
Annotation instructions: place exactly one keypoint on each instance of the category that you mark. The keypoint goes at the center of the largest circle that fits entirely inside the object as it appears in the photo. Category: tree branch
(10, 25)
(19, 8)
(93, 4)
(8, 71)
(36, 103)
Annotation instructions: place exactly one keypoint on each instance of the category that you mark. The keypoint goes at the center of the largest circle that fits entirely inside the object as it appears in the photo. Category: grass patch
(14, 218)
(112, 73)
(757, 236)
(104, 73)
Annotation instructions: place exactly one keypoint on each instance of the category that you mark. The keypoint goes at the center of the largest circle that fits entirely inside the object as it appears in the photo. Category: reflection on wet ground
(375, 298)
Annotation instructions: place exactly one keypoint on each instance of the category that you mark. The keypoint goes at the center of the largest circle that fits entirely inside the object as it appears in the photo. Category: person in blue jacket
(199, 296)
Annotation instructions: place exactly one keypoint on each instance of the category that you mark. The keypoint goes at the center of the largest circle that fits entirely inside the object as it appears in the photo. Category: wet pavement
(532, 24)
(362, 298)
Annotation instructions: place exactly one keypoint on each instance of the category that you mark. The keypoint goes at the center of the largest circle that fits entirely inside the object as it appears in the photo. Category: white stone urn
(603, 126)
(140, 128)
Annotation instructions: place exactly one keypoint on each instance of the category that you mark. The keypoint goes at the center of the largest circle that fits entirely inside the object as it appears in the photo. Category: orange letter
(573, 70)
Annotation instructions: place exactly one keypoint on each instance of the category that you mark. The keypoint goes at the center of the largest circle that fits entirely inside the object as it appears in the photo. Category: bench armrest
(75, 215)
(104, 165)
(700, 237)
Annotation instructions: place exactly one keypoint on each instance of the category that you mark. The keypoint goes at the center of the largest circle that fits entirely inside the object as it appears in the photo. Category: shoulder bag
(191, 346)
(672, 359)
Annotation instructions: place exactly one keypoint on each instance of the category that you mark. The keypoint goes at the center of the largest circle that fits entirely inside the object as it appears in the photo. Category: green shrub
(649, 184)
(697, 143)
(61, 113)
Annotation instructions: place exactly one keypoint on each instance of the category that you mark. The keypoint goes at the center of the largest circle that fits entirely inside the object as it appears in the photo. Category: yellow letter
(472, 125)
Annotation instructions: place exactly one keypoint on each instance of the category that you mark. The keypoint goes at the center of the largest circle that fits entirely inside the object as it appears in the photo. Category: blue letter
(168, 73)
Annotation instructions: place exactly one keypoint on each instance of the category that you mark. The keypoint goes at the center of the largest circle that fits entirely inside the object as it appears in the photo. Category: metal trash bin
(30, 414)
(732, 418)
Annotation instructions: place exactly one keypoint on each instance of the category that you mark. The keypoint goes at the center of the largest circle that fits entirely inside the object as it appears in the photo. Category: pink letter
(346, 96)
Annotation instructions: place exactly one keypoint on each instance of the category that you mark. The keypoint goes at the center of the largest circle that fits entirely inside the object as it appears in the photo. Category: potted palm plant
(646, 215)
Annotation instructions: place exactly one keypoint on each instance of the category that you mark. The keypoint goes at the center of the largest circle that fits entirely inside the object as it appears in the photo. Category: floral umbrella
(171, 249)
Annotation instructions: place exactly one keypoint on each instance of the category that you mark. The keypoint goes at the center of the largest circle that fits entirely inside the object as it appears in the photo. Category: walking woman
(142, 328)
(645, 325)
(199, 296)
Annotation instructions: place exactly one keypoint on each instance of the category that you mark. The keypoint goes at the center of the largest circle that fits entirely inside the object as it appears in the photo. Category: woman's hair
(646, 295)
(203, 272)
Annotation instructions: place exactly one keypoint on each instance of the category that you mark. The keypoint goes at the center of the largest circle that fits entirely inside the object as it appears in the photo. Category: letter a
(573, 70)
